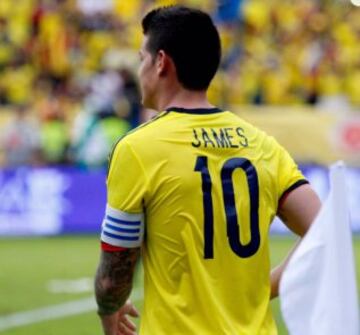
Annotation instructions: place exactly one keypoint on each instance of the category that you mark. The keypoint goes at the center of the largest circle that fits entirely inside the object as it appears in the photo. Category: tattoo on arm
(113, 281)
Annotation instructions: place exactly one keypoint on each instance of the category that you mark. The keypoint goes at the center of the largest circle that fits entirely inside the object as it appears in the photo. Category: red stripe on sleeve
(111, 248)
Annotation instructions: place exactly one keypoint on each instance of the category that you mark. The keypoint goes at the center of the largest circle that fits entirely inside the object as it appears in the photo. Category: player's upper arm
(123, 224)
(289, 177)
(299, 209)
(126, 181)
(298, 204)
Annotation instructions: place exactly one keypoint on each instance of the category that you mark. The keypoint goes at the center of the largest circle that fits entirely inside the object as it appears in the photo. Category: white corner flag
(318, 294)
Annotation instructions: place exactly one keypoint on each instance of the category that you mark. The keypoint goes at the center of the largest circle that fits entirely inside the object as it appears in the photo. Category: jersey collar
(194, 110)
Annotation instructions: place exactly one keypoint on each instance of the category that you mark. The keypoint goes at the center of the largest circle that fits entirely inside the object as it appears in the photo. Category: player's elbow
(103, 286)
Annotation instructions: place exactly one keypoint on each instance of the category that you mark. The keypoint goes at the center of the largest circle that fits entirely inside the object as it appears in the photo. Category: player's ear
(163, 62)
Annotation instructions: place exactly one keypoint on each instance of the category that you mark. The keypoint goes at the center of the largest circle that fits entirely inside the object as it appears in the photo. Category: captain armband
(122, 229)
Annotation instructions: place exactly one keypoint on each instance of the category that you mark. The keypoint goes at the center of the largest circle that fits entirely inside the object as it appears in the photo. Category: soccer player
(195, 189)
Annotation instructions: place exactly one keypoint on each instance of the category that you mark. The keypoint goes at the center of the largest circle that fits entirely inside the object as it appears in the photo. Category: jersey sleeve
(123, 224)
(289, 176)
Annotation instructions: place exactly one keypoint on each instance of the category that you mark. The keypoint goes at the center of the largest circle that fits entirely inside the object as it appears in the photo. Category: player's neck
(184, 99)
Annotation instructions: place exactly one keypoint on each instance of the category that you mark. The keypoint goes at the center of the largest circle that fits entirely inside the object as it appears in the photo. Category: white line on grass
(79, 285)
(54, 312)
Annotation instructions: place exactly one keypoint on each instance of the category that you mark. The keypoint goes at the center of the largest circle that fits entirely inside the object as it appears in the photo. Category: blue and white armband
(122, 229)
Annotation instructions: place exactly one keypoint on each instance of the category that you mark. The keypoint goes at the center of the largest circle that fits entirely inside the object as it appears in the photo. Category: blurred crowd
(68, 87)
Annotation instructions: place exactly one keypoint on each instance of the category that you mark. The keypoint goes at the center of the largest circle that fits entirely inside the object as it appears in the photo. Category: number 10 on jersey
(232, 227)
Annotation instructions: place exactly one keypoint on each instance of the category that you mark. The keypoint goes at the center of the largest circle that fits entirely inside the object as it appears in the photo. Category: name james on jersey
(219, 138)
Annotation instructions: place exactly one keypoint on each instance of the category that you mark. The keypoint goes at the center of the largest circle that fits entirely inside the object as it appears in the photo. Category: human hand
(119, 323)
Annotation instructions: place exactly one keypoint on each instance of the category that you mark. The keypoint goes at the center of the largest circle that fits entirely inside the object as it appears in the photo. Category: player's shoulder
(141, 134)
(238, 119)
(146, 130)
(258, 135)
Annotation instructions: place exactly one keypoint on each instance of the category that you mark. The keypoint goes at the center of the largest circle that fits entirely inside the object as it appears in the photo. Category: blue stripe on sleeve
(123, 230)
(119, 237)
(130, 223)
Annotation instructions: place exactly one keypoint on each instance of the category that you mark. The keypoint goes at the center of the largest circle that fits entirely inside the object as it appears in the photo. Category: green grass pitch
(28, 265)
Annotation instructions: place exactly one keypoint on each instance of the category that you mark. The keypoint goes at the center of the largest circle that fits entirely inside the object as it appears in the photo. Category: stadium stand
(69, 66)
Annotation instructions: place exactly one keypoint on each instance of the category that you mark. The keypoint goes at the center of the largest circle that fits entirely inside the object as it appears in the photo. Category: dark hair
(190, 38)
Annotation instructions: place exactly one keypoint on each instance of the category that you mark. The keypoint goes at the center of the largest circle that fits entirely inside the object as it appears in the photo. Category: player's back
(211, 187)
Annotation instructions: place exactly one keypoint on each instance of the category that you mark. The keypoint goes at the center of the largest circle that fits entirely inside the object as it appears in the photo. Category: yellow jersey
(198, 190)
